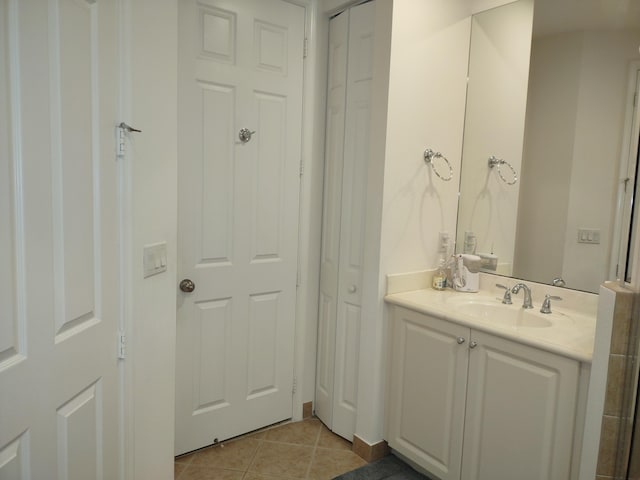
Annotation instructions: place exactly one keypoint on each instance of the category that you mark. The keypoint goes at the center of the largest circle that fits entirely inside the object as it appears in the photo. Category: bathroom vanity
(482, 390)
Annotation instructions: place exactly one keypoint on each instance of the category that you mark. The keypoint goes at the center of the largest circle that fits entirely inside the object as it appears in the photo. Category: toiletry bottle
(439, 281)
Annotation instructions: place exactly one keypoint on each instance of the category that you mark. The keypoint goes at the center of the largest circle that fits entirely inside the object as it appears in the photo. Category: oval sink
(504, 315)
(494, 311)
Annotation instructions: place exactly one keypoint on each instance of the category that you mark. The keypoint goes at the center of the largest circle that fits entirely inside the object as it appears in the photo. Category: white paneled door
(240, 107)
(59, 232)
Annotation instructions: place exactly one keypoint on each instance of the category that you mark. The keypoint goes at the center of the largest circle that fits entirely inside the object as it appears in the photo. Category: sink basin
(494, 311)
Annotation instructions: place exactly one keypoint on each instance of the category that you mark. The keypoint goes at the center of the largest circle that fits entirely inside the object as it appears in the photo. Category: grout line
(255, 454)
(313, 452)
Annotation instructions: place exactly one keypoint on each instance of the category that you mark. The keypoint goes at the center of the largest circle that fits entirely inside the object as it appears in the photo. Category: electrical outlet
(443, 242)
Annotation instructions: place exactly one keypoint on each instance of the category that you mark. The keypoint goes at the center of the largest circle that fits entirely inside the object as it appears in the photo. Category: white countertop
(573, 322)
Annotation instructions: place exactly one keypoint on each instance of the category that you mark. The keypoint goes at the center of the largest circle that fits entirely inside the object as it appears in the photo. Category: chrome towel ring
(430, 155)
(498, 162)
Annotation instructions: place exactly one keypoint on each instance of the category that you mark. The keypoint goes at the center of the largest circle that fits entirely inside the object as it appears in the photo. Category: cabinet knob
(460, 340)
(473, 344)
(353, 289)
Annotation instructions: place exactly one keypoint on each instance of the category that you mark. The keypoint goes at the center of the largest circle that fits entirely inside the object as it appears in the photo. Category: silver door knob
(473, 344)
(187, 285)
(460, 340)
(245, 135)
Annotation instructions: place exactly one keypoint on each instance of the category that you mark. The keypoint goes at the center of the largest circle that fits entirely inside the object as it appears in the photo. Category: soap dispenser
(466, 277)
(439, 281)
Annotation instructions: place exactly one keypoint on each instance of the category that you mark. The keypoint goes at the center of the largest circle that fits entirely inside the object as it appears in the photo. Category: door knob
(187, 285)
(353, 289)
(473, 344)
(245, 135)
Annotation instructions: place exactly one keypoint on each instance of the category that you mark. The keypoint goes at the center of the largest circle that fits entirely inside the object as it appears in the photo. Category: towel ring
(498, 162)
(430, 155)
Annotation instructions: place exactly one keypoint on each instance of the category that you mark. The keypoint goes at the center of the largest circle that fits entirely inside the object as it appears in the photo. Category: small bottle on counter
(439, 281)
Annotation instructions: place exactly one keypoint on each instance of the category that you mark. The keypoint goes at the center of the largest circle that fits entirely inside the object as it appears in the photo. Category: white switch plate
(589, 235)
(155, 259)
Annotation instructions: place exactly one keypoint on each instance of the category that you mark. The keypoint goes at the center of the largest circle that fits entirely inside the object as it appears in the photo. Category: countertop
(571, 333)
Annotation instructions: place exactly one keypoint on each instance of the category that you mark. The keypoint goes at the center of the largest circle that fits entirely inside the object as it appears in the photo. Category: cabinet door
(427, 386)
(520, 412)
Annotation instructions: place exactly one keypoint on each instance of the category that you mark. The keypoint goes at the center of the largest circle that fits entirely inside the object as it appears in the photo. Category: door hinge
(294, 388)
(301, 167)
(121, 140)
(121, 137)
(305, 48)
(635, 99)
(122, 345)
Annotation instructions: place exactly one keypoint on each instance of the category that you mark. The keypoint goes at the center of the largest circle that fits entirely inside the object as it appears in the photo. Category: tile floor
(301, 450)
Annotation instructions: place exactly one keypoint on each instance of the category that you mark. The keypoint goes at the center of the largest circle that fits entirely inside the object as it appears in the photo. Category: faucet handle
(507, 294)
(546, 304)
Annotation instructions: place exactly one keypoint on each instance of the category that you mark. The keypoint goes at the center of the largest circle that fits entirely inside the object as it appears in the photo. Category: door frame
(310, 205)
(133, 431)
(626, 175)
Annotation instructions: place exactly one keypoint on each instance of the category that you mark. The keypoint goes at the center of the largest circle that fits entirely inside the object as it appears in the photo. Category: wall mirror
(551, 140)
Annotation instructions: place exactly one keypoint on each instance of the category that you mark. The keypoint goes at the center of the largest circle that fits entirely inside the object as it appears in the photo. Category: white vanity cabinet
(464, 404)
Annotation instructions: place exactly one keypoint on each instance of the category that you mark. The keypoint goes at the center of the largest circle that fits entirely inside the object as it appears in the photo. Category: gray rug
(387, 468)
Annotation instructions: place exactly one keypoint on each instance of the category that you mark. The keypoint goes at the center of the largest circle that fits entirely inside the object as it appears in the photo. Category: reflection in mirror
(564, 122)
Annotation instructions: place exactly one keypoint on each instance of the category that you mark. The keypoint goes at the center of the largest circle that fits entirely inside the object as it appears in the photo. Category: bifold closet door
(347, 154)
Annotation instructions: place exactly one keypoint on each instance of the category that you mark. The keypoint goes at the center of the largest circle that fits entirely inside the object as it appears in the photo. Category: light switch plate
(589, 235)
(155, 259)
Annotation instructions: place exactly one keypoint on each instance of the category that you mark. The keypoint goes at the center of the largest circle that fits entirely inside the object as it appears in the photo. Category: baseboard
(307, 409)
(370, 453)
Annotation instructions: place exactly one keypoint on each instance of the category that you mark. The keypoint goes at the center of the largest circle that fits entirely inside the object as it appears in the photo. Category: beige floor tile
(327, 463)
(282, 459)
(203, 472)
(235, 455)
(259, 435)
(185, 459)
(300, 433)
(257, 476)
(328, 439)
(178, 468)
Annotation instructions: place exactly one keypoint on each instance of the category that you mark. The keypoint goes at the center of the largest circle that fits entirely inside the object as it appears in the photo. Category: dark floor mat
(387, 468)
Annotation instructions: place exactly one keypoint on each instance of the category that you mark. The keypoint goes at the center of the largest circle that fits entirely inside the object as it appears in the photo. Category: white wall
(424, 108)
(150, 88)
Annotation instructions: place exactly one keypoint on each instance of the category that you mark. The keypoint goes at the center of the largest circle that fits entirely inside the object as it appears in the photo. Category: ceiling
(556, 16)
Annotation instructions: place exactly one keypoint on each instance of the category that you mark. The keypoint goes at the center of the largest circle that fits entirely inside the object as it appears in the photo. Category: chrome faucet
(527, 294)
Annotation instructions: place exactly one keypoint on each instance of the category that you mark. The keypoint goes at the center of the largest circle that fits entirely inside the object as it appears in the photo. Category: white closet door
(345, 199)
(330, 256)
